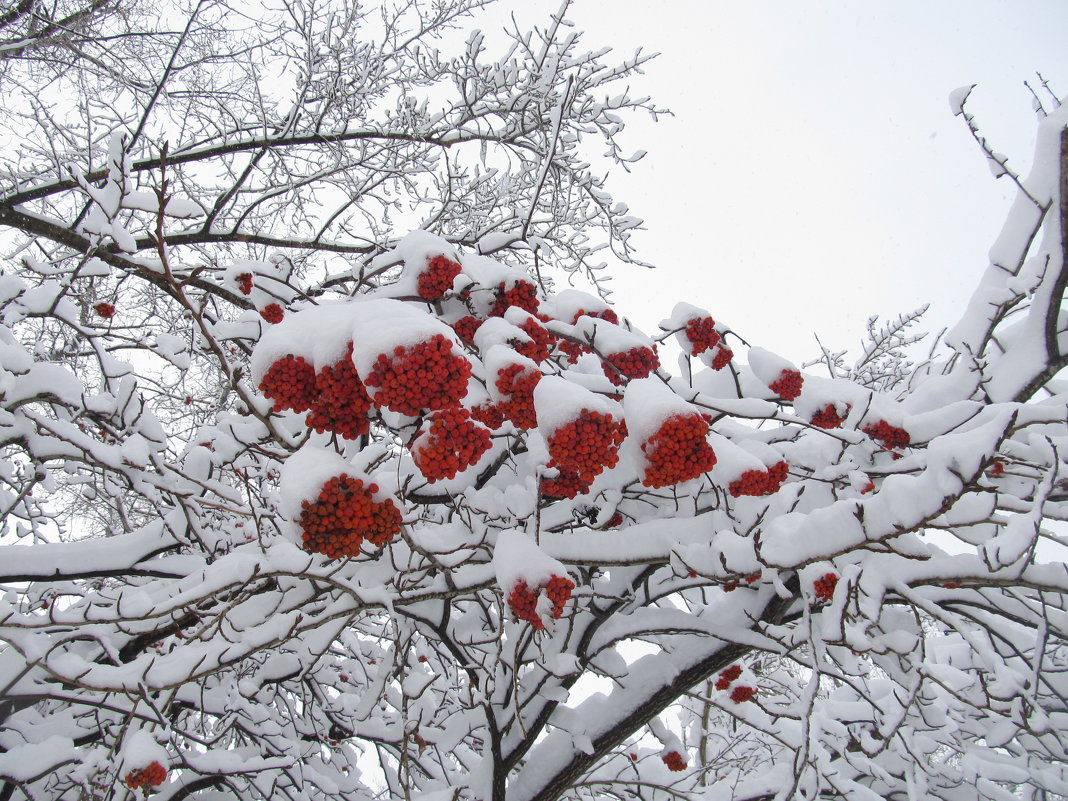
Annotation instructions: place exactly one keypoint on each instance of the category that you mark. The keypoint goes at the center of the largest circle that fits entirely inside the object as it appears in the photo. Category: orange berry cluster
(344, 515)
(455, 443)
(489, 414)
(518, 383)
(543, 341)
(996, 468)
(827, 417)
(674, 761)
(244, 283)
(522, 294)
(587, 445)
(105, 310)
(272, 313)
(824, 586)
(466, 327)
(759, 482)
(702, 334)
(742, 693)
(427, 375)
(523, 601)
(437, 278)
(152, 776)
(290, 383)
(731, 674)
(634, 363)
(890, 436)
(678, 451)
(342, 403)
(572, 350)
(788, 385)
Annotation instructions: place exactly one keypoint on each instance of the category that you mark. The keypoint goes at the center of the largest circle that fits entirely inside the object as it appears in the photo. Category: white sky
(813, 174)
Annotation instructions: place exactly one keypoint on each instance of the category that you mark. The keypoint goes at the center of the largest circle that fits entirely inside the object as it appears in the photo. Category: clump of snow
(415, 250)
(517, 558)
(559, 401)
(647, 403)
(381, 325)
(139, 750)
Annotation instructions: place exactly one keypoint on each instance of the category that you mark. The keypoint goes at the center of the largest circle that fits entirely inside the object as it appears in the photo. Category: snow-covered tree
(299, 505)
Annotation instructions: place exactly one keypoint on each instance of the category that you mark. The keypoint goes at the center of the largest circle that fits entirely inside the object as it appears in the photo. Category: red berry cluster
(152, 776)
(437, 278)
(427, 375)
(722, 358)
(244, 283)
(344, 515)
(466, 327)
(565, 485)
(674, 761)
(607, 314)
(827, 417)
(702, 334)
(572, 350)
(341, 404)
(522, 294)
(635, 363)
(523, 601)
(587, 445)
(105, 310)
(517, 384)
(678, 451)
(290, 383)
(825, 585)
(788, 385)
(890, 436)
(455, 443)
(272, 313)
(742, 693)
(731, 674)
(996, 468)
(489, 414)
(542, 342)
(759, 482)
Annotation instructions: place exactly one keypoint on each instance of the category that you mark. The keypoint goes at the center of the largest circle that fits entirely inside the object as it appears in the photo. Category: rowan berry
(723, 681)
(605, 314)
(824, 586)
(678, 451)
(521, 293)
(437, 278)
(788, 385)
(489, 414)
(341, 404)
(516, 385)
(523, 600)
(244, 283)
(722, 358)
(891, 436)
(742, 693)
(427, 375)
(637, 362)
(587, 445)
(451, 443)
(759, 482)
(565, 485)
(541, 341)
(105, 310)
(290, 383)
(343, 515)
(152, 776)
(702, 334)
(997, 468)
(674, 761)
(828, 417)
(466, 327)
(272, 313)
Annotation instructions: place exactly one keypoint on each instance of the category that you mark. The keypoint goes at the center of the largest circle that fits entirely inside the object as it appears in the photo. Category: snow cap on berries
(518, 560)
(570, 304)
(320, 335)
(418, 250)
(776, 373)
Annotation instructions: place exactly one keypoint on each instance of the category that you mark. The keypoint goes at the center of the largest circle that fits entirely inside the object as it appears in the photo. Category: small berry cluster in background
(824, 586)
(152, 776)
(828, 417)
(890, 436)
(272, 313)
(522, 294)
(674, 761)
(741, 692)
(437, 278)
(105, 310)
(516, 384)
(788, 385)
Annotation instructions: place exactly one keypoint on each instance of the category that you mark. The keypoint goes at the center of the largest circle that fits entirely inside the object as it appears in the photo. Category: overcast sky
(812, 173)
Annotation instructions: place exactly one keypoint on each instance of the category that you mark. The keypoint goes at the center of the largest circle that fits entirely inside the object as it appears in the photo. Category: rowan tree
(318, 483)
